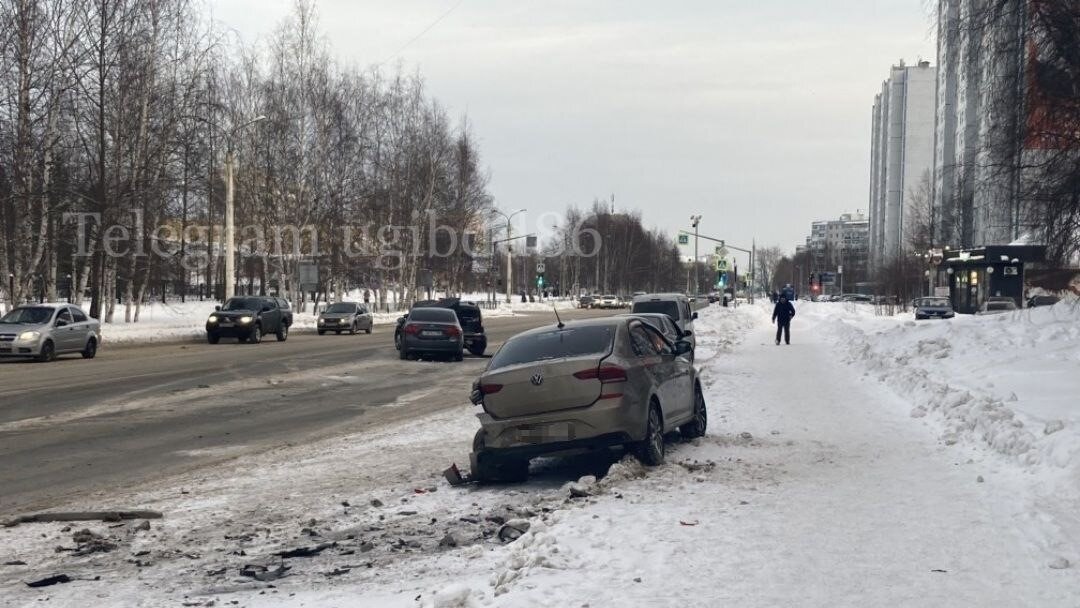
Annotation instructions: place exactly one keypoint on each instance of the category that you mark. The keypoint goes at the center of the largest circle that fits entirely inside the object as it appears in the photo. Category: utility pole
(694, 221)
(753, 269)
(509, 260)
(230, 241)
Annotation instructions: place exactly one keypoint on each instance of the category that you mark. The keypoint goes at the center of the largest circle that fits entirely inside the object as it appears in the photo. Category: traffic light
(540, 281)
(723, 279)
(811, 282)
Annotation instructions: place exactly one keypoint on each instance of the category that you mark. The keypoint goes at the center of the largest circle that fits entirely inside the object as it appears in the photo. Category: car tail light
(488, 389)
(452, 331)
(605, 374)
(411, 329)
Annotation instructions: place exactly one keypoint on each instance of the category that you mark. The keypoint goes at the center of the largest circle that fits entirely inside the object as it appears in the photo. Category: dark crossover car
(249, 318)
(43, 331)
(934, 308)
(345, 316)
(584, 385)
(1035, 301)
(431, 331)
(469, 319)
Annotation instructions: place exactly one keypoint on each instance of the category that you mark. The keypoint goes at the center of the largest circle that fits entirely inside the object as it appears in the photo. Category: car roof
(659, 297)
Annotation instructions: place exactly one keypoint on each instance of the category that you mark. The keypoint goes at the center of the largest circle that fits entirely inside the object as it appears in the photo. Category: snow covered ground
(176, 321)
(835, 473)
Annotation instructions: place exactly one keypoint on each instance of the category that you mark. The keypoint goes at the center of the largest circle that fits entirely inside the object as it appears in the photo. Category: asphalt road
(73, 429)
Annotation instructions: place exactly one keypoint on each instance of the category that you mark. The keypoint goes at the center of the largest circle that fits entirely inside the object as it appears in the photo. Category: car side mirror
(401, 319)
(682, 347)
(61, 323)
(693, 316)
(218, 307)
(267, 308)
(687, 333)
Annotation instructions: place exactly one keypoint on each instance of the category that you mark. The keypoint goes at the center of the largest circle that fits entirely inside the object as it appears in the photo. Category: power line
(425, 30)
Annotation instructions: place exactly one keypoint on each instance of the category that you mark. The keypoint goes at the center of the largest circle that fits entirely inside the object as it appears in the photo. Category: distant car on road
(431, 331)
(345, 316)
(249, 318)
(997, 306)
(1036, 301)
(469, 318)
(586, 302)
(43, 331)
(934, 308)
(584, 385)
(608, 301)
(674, 305)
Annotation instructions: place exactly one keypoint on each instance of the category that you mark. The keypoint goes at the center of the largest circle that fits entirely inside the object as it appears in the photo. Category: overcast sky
(753, 113)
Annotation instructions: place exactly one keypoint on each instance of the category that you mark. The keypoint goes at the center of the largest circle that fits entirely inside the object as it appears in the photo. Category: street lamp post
(509, 261)
(694, 221)
(230, 239)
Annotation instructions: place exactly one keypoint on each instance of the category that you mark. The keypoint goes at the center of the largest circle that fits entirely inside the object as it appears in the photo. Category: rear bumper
(416, 345)
(617, 420)
(598, 442)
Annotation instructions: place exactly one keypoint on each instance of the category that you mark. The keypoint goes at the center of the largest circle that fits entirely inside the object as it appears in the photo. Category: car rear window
(1000, 306)
(669, 308)
(432, 315)
(933, 302)
(555, 344)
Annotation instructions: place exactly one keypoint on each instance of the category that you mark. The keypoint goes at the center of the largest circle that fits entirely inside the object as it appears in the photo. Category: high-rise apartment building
(902, 156)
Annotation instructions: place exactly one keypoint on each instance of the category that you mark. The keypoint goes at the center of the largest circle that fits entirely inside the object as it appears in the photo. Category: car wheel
(352, 329)
(321, 332)
(91, 349)
(212, 338)
(256, 335)
(403, 354)
(460, 356)
(368, 330)
(650, 451)
(697, 426)
(397, 340)
(282, 333)
(477, 347)
(48, 352)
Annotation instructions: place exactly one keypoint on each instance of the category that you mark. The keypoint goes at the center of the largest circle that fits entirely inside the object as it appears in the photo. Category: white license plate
(431, 334)
(549, 432)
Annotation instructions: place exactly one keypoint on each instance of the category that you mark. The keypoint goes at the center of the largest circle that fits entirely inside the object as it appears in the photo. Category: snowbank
(1008, 382)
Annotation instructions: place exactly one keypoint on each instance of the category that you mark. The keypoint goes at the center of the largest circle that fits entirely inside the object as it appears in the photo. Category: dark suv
(469, 317)
(249, 318)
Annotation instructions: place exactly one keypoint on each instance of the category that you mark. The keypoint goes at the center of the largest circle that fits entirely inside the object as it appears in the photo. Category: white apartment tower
(901, 155)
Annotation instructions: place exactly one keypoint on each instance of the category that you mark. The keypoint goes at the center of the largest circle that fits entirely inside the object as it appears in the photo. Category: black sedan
(934, 308)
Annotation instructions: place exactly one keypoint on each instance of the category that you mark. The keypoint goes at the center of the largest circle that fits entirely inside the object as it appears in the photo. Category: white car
(608, 301)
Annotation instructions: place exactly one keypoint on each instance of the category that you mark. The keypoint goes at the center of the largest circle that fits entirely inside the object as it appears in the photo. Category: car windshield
(1000, 306)
(432, 315)
(609, 297)
(555, 344)
(669, 308)
(942, 302)
(342, 307)
(243, 304)
(30, 315)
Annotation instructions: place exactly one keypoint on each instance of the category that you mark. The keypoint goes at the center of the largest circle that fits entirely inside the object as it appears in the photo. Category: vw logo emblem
(537, 379)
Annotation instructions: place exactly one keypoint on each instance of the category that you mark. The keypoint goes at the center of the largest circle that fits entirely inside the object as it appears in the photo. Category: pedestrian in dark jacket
(782, 314)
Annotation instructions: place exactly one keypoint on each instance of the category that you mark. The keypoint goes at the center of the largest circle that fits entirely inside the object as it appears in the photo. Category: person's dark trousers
(784, 328)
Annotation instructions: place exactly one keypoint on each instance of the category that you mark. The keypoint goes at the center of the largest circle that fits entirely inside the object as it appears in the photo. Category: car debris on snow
(513, 529)
(110, 516)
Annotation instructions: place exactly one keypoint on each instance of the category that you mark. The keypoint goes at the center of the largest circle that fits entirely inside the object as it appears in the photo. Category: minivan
(674, 305)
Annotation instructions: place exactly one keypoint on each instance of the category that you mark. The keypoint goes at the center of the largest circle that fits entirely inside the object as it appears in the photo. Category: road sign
(684, 239)
(721, 249)
(540, 268)
(721, 264)
(827, 278)
(840, 269)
